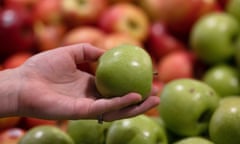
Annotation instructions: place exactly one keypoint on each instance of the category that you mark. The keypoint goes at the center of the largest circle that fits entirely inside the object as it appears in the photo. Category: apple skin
(161, 42)
(136, 130)
(224, 79)
(83, 34)
(87, 131)
(48, 12)
(187, 105)
(224, 125)
(9, 122)
(180, 60)
(16, 26)
(45, 135)
(16, 59)
(194, 140)
(210, 41)
(232, 7)
(11, 135)
(124, 69)
(82, 12)
(30, 122)
(179, 15)
(125, 18)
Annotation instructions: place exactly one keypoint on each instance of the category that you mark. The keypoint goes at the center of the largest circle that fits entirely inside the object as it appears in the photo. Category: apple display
(224, 79)
(232, 7)
(224, 125)
(16, 26)
(9, 122)
(115, 39)
(48, 36)
(79, 12)
(136, 130)
(125, 18)
(16, 59)
(87, 131)
(48, 12)
(179, 15)
(45, 135)
(187, 106)
(194, 140)
(175, 65)
(83, 34)
(11, 135)
(161, 42)
(124, 69)
(213, 36)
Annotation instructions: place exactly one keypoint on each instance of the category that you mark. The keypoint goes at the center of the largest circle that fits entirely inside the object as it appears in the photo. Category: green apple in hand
(194, 140)
(187, 105)
(124, 69)
(46, 134)
(224, 79)
(213, 36)
(224, 127)
(136, 130)
(87, 131)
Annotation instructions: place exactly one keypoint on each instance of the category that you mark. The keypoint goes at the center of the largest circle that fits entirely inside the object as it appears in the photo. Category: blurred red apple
(77, 12)
(30, 122)
(84, 34)
(16, 59)
(180, 15)
(114, 39)
(48, 11)
(11, 135)
(9, 122)
(161, 42)
(16, 30)
(28, 4)
(49, 36)
(125, 18)
(178, 64)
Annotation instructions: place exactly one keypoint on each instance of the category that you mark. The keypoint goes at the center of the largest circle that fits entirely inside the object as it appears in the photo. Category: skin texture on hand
(50, 86)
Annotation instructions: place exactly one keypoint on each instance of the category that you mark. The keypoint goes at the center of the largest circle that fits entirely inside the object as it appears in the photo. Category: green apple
(124, 69)
(187, 105)
(46, 134)
(194, 140)
(224, 79)
(224, 125)
(87, 131)
(136, 130)
(237, 54)
(232, 8)
(212, 37)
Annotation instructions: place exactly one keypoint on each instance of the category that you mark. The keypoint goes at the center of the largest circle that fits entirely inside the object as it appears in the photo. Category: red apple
(16, 59)
(180, 15)
(16, 26)
(30, 122)
(11, 135)
(84, 34)
(161, 42)
(178, 64)
(77, 12)
(8, 122)
(49, 36)
(114, 39)
(125, 18)
(28, 4)
(48, 11)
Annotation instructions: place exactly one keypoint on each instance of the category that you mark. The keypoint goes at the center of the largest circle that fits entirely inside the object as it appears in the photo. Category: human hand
(52, 87)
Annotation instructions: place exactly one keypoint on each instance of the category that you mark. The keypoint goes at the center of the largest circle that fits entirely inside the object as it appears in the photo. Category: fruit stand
(194, 47)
